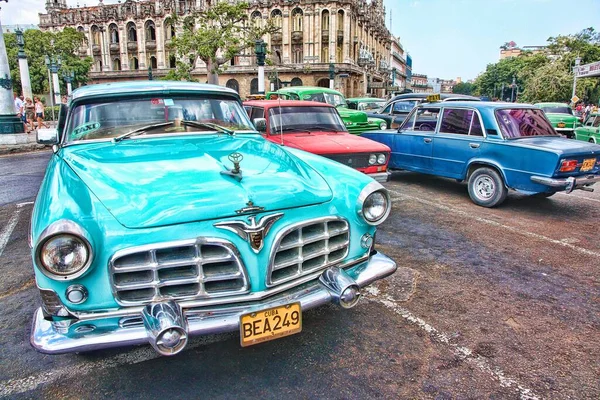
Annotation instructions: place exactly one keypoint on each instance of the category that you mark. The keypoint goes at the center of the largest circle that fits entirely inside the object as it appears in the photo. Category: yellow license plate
(588, 164)
(269, 324)
(561, 125)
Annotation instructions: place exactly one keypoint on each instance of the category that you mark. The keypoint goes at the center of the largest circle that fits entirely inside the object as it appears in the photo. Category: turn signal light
(568, 165)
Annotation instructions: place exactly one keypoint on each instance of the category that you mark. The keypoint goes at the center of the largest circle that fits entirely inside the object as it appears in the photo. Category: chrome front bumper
(381, 176)
(50, 337)
(568, 184)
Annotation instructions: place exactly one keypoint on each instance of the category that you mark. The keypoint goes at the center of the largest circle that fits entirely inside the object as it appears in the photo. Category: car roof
(286, 103)
(365, 99)
(306, 89)
(551, 104)
(443, 96)
(139, 87)
(493, 105)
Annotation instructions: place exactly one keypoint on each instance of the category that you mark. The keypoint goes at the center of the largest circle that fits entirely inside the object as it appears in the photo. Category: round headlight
(383, 125)
(64, 255)
(372, 159)
(381, 159)
(375, 206)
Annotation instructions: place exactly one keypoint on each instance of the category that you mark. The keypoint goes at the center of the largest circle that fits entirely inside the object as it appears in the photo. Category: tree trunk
(213, 75)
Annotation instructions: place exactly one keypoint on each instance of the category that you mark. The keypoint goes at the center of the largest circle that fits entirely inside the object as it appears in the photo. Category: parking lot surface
(487, 303)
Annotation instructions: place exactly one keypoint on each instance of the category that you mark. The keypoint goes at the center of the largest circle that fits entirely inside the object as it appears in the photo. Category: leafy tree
(215, 36)
(463, 88)
(38, 44)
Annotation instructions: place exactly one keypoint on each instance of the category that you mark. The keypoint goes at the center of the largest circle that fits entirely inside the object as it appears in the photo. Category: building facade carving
(128, 38)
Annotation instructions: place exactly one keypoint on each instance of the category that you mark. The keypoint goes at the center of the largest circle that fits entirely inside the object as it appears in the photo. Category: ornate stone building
(128, 38)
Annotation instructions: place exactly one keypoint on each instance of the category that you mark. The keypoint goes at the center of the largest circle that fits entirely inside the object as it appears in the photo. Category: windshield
(304, 119)
(557, 109)
(329, 98)
(523, 122)
(111, 119)
(371, 105)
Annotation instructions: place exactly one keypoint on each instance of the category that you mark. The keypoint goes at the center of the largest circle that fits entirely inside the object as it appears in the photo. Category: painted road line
(8, 229)
(24, 204)
(464, 353)
(520, 231)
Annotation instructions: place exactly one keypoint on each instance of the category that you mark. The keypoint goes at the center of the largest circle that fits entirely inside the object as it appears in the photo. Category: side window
(257, 113)
(589, 121)
(294, 96)
(596, 122)
(387, 109)
(457, 121)
(403, 107)
(422, 119)
(248, 110)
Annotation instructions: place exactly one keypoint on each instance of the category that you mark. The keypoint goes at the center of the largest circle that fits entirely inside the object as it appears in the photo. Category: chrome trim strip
(48, 337)
(154, 267)
(60, 227)
(221, 301)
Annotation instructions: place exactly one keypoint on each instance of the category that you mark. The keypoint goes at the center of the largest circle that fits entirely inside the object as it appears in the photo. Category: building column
(347, 36)
(160, 44)
(9, 122)
(141, 39)
(122, 29)
(317, 35)
(332, 35)
(286, 40)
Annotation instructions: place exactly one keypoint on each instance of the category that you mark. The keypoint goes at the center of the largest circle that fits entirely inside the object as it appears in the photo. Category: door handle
(474, 145)
(427, 140)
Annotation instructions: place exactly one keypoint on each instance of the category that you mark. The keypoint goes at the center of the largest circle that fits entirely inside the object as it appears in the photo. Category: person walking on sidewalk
(29, 114)
(19, 109)
(39, 113)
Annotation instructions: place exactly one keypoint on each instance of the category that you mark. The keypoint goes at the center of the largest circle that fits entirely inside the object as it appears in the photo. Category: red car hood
(330, 143)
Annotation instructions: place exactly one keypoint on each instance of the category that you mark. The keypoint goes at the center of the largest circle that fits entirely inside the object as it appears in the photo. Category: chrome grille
(353, 160)
(308, 247)
(192, 269)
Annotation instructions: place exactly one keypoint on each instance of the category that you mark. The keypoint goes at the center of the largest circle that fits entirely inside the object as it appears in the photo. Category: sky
(445, 38)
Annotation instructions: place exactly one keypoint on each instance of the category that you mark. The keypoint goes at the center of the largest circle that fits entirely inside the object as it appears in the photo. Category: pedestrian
(39, 113)
(29, 109)
(64, 100)
(19, 108)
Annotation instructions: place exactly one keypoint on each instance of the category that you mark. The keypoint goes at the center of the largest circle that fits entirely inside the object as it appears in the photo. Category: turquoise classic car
(164, 214)
(494, 147)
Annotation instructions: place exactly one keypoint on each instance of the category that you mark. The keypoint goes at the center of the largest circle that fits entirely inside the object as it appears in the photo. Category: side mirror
(260, 124)
(47, 136)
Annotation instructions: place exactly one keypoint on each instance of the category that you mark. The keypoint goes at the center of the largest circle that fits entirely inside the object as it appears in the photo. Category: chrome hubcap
(484, 187)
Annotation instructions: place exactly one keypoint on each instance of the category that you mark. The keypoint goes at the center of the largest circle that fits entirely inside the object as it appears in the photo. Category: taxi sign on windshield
(433, 97)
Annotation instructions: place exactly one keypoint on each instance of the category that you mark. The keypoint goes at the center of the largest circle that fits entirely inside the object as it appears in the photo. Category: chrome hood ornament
(254, 232)
(235, 172)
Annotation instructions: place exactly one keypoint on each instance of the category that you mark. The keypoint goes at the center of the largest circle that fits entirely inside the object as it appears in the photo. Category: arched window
(233, 84)
(323, 82)
(98, 64)
(277, 18)
(256, 18)
(169, 29)
(95, 35)
(134, 63)
(131, 32)
(297, 54)
(340, 20)
(254, 86)
(153, 62)
(114, 33)
(150, 30)
(325, 54)
(116, 64)
(325, 20)
(297, 16)
(172, 61)
(296, 82)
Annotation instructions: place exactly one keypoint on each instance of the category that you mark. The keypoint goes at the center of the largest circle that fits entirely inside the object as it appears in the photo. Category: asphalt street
(487, 303)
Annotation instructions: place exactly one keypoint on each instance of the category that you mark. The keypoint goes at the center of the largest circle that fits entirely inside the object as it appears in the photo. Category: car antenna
(280, 120)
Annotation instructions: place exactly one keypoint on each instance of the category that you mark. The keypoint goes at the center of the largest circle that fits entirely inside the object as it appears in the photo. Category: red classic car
(319, 129)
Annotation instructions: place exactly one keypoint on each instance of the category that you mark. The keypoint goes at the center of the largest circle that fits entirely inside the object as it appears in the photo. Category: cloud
(21, 12)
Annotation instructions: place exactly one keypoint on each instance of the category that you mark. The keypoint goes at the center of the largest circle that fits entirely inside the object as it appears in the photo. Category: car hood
(331, 143)
(355, 116)
(559, 145)
(154, 182)
(557, 117)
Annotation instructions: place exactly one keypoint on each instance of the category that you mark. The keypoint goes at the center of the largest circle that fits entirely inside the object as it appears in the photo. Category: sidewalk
(20, 143)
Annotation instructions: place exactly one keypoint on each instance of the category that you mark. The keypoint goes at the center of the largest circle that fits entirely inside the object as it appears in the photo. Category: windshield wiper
(139, 131)
(290, 129)
(209, 125)
(326, 128)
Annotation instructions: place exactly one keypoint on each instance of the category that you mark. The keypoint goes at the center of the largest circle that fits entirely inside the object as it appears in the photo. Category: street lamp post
(260, 48)
(54, 63)
(150, 77)
(23, 65)
(512, 93)
(575, 72)
(68, 76)
(331, 75)
(9, 122)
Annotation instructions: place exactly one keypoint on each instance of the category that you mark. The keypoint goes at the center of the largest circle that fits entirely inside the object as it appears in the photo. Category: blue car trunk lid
(162, 181)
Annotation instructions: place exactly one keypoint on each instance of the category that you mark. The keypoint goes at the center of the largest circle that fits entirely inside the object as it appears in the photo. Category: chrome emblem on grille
(255, 232)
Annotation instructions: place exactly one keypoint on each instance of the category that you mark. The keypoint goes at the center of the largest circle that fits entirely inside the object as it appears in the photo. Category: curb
(23, 148)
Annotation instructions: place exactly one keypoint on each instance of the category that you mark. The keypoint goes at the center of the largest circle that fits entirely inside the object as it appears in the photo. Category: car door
(459, 139)
(412, 148)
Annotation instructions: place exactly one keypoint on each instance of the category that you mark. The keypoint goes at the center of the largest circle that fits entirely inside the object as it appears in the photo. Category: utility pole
(23, 65)
(260, 48)
(575, 72)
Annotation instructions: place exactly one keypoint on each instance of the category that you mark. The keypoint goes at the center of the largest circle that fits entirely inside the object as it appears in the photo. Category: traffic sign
(574, 99)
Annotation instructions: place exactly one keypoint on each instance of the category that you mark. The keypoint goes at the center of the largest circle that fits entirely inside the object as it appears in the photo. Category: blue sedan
(494, 147)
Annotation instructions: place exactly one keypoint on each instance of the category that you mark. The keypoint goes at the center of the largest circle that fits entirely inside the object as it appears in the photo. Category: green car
(356, 121)
(365, 103)
(561, 117)
(590, 131)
